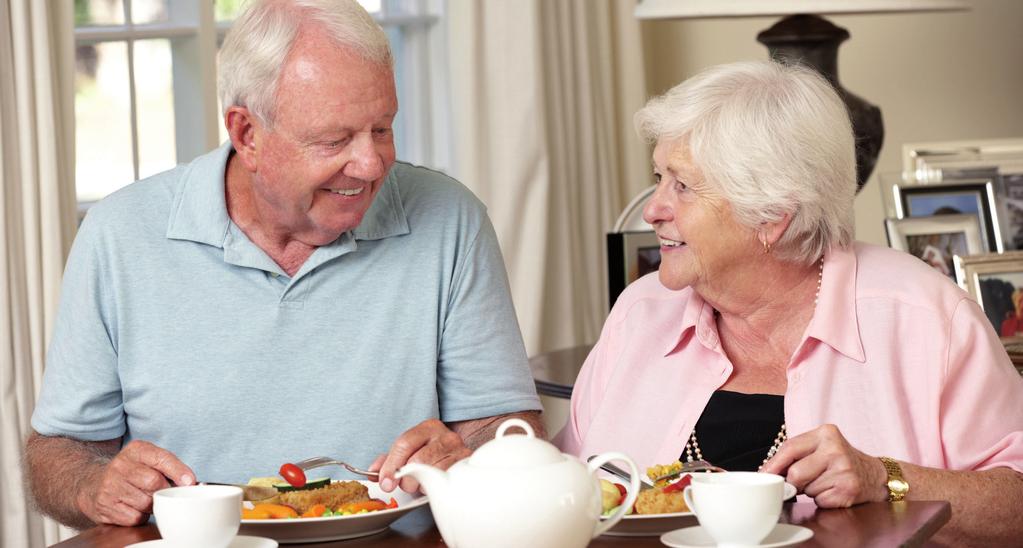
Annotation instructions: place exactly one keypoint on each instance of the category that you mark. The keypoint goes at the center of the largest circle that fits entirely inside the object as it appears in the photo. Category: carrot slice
(315, 511)
(275, 511)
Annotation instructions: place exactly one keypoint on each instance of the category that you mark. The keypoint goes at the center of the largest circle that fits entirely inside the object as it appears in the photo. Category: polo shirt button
(274, 274)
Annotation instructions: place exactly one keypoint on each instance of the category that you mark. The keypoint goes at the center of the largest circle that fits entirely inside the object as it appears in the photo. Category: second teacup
(736, 508)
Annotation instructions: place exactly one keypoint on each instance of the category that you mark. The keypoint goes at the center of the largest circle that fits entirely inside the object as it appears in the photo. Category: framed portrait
(972, 197)
(941, 160)
(936, 240)
(995, 281)
(630, 255)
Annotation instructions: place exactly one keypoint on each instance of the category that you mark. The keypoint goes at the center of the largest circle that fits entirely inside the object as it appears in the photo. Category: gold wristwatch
(898, 487)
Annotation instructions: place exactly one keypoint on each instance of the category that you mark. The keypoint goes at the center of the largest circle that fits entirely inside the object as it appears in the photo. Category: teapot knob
(515, 422)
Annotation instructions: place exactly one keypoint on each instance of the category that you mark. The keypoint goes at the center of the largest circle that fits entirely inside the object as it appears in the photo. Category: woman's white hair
(774, 139)
(255, 48)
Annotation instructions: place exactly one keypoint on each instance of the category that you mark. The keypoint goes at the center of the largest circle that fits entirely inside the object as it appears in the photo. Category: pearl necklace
(694, 446)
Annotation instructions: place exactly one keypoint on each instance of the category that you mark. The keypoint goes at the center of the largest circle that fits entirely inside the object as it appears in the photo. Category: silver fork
(645, 483)
(320, 462)
(690, 467)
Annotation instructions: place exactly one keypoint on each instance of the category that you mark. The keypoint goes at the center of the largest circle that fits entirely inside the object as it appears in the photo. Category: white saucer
(782, 535)
(240, 541)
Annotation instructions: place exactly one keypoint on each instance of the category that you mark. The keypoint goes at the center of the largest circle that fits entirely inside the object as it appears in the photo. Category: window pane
(396, 38)
(148, 11)
(227, 9)
(372, 6)
(155, 106)
(99, 12)
(103, 160)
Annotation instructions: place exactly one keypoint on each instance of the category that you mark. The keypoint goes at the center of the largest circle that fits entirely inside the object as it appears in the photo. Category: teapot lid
(515, 450)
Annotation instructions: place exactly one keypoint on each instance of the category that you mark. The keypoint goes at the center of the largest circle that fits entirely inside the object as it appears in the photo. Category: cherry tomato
(621, 493)
(292, 474)
(679, 485)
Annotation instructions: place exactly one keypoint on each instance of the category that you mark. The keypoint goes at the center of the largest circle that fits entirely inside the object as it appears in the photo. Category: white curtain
(37, 223)
(542, 99)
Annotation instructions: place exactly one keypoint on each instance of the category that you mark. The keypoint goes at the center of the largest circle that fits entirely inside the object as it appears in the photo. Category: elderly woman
(770, 339)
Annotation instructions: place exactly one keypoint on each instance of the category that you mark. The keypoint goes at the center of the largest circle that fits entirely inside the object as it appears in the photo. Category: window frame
(195, 35)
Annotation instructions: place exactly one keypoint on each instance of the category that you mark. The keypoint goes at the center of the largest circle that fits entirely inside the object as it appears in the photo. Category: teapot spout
(433, 480)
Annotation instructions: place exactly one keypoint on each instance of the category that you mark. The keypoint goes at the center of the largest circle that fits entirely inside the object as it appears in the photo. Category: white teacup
(198, 515)
(736, 508)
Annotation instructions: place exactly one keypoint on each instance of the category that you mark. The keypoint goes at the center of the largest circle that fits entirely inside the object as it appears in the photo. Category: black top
(736, 430)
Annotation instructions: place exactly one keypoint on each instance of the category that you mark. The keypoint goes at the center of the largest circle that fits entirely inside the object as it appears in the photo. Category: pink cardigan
(897, 356)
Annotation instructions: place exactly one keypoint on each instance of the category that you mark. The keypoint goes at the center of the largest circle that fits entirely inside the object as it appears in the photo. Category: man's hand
(429, 442)
(822, 464)
(121, 493)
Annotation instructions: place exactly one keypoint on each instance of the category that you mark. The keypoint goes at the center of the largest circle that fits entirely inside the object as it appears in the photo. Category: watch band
(897, 485)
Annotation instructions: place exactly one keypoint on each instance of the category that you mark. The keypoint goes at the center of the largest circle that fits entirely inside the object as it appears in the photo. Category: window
(145, 85)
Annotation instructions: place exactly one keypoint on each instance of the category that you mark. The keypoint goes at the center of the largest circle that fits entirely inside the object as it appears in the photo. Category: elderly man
(294, 293)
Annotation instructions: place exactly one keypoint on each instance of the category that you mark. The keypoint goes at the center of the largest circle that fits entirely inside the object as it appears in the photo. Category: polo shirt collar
(835, 321)
(200, 214)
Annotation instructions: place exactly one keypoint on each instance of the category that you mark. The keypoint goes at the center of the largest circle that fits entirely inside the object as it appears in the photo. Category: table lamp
(805, 37)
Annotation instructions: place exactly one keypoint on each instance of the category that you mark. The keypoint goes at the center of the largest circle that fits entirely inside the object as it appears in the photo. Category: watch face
(898, 486)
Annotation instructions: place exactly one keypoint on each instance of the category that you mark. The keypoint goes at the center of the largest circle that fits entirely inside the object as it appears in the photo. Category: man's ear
(770, 233)
(241, 127)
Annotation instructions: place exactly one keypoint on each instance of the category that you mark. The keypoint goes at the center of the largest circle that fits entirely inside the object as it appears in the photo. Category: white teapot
(519, 491)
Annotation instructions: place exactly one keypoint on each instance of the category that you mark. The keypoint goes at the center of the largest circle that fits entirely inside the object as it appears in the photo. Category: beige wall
(937, 76)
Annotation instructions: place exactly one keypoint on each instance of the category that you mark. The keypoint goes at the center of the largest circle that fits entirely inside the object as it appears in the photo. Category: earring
(767, 246)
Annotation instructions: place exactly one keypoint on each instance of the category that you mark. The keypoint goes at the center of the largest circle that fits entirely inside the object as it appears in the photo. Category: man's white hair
(255, 48)
(774, 139)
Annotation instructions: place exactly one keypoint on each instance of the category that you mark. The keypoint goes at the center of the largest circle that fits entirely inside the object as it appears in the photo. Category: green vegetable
(311, 484)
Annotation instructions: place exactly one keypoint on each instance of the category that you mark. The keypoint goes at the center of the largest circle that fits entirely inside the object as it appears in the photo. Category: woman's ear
(241, 127)
(771, 232)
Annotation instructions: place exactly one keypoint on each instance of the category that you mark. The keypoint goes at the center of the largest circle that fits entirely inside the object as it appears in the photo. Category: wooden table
(873, 524)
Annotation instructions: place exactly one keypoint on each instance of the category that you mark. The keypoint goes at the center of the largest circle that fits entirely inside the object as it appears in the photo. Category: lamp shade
(694, 9)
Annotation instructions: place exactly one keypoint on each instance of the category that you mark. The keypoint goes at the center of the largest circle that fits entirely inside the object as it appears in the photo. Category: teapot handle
(630, 494)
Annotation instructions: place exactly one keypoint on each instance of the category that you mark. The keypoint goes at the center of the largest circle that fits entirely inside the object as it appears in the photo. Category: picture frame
(995, 281)
(936, 161)
(975, 197)
(630, 255)
(936, 239)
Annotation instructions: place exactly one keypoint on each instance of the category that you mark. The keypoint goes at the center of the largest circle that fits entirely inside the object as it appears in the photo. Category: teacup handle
(630, 493)
(687, 495)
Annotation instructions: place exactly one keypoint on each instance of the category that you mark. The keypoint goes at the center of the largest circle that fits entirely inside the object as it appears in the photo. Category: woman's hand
(822, 465)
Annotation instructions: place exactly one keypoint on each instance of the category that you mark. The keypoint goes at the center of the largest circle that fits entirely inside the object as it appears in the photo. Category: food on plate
(293, 474)
(333, 496)
(314, 499)
(611, 495)
(659, 470)
(663, 500)
(665, 497)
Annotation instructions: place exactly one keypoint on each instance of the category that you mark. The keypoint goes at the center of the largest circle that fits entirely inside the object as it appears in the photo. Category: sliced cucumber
(284, 487)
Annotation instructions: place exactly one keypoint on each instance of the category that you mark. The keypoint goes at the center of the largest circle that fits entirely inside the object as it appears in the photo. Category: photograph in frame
(1012, 190)
(936, 240)
(995, 281)
(972, 197)
(630, 255)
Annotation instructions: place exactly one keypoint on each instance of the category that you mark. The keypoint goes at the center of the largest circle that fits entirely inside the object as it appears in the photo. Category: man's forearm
(477, 432)
(985, 504)
(58, 468)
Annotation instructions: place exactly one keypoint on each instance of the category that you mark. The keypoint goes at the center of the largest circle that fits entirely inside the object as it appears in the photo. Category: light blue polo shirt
(175, 328)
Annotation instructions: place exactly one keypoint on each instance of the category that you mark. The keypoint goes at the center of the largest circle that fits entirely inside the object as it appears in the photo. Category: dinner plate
(783, 534)
(290, 531)
(649, 525)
